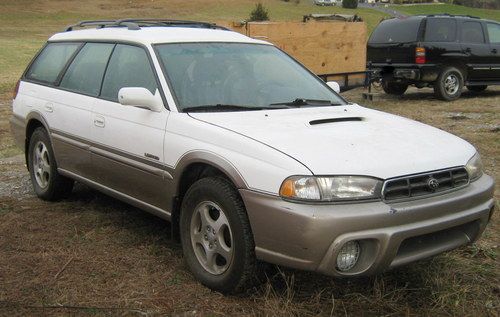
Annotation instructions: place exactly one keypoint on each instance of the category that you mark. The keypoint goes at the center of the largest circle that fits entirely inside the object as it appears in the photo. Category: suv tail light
(16, 89)
(420, 55)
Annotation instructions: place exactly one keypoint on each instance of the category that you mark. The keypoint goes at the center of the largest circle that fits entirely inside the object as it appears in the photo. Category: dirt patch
(93, 255)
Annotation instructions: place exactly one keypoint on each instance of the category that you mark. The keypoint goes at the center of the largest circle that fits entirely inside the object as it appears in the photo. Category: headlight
(332, 188)
(474, 167)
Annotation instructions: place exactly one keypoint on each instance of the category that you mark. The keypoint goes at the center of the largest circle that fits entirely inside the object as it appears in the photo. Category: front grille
(425, 184)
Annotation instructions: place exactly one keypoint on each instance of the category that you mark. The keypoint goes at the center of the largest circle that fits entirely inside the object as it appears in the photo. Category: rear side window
(87, 69)
(472, 32)
(494, 33)
(128, 67)
(440, 30)
(50, 62)
(396, 31)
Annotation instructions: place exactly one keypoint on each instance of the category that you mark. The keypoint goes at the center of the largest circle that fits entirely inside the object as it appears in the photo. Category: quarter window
(494, 33)
(472, 32)
(50, 62)
(128, 67)
(87, 69)
(440, 30)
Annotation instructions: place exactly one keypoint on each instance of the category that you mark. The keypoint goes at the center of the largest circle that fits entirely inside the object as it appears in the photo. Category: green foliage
(259, 13)
(350, 4)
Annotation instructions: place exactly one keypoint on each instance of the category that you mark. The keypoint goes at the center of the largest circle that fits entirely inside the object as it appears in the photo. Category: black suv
(441, 51)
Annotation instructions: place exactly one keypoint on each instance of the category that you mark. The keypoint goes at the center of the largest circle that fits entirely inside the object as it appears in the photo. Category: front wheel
(47, 182)
(216, 236)
(449, 84)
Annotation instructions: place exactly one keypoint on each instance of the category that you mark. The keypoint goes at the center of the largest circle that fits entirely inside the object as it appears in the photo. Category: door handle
(494, 51)
(99, 121)
(48, 107)
(468, 50)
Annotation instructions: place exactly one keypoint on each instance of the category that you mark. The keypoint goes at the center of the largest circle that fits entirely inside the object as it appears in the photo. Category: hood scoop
(334, 120)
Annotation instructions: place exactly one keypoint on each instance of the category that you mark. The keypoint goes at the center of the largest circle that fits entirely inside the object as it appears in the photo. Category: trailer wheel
(394, 88)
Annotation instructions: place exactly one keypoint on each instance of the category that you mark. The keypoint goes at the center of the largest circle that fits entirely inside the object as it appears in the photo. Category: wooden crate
(324, 47)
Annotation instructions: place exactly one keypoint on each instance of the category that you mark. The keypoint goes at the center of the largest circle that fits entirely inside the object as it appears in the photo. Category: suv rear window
(396, 31)
(440, 30)
(50, 62)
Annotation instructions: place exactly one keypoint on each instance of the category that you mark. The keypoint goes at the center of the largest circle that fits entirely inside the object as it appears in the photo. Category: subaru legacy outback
(250, 156)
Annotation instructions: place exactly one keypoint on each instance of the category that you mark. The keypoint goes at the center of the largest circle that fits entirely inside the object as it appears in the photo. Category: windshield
(247, 75)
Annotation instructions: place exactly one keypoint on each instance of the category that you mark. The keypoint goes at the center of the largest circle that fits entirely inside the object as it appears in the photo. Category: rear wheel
(477, 88)
(216, 236)
(394, 88)
(449, 84)
(47, 182)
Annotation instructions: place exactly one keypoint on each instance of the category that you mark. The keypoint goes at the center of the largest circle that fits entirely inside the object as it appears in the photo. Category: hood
(348, 140)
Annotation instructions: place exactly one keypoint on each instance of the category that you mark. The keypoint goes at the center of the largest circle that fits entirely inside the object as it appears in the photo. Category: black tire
(394, 88)
(243, 271)
(57, 186)
(451, 92)
(477, 88)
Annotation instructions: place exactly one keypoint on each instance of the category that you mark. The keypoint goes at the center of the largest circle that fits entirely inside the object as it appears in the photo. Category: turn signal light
(420, 55)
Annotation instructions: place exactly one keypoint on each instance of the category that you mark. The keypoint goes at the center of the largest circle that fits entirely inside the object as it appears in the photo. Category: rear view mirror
(334, 85)
(141, 98)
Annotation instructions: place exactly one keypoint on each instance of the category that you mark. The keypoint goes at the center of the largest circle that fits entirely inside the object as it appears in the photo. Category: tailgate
(403, 53)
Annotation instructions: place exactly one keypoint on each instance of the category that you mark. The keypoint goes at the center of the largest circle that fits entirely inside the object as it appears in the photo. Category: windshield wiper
(300, 102)
(226, 107)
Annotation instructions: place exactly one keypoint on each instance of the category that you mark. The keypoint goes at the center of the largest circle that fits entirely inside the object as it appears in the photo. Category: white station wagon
(248, 154)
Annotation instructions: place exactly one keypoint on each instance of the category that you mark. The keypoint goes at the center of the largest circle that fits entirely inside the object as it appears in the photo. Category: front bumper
(309, 236)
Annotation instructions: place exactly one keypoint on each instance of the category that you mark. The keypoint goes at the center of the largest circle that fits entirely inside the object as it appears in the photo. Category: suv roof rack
(137, 24)
(453, 15)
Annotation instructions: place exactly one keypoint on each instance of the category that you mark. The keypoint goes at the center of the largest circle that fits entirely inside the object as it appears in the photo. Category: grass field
(448, 8)
(93, 255)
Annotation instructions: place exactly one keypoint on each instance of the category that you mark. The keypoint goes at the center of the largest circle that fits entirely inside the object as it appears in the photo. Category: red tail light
(16, 89)
(420, 55)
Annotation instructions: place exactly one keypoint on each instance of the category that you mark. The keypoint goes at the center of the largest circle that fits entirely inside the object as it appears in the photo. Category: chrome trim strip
(164, 214)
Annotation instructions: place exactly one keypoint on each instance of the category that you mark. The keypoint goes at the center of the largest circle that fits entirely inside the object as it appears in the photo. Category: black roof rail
(453, 15)
(137, 24)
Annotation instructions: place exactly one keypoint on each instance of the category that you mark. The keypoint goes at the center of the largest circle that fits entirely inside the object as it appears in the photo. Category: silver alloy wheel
(211, 237)
(41, 164)
(451, 84)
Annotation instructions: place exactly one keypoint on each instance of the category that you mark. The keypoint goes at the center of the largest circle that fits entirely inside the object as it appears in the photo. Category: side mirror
(141, 98)
(334, 85)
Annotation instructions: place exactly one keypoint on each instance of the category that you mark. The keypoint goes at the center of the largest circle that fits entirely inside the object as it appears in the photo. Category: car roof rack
(137, 24)
(453, 15)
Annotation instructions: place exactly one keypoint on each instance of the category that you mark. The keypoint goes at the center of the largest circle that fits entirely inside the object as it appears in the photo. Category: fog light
(348, 256)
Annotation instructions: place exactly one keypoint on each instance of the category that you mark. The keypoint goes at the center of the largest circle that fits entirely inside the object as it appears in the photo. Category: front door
(127, 142)
(494, 39)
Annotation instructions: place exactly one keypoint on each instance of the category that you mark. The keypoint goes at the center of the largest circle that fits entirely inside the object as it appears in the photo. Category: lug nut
(206, 237)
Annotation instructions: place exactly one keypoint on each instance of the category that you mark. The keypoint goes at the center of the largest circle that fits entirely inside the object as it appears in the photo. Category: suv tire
(216, 237)
(394, 88)
(477, 88)
(47, 182)
(449, 84)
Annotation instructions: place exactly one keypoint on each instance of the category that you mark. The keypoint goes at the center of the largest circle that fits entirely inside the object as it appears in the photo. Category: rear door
(474, 46)
(494, 40)
(127, 142)
(394, 42)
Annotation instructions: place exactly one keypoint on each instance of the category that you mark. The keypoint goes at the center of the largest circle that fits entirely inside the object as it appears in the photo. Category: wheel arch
(34, 120)
(194, 166)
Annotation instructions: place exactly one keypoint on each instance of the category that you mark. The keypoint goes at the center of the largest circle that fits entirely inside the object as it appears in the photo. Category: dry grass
(93, 255)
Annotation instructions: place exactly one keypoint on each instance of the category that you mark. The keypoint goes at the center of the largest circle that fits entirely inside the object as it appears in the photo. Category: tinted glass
(396, 31)
(440, 30)
(472, 32)
(51, 61)
(494, 33)
(250, 75)
(85, 72)
(128, 67)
